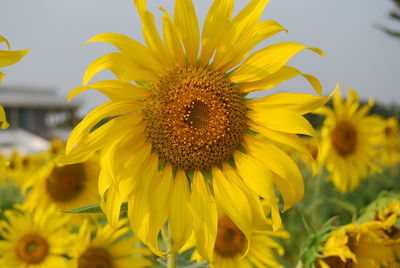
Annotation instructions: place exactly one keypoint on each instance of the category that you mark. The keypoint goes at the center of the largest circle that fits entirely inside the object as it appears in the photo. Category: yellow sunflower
(34, 239)
(359, 245)
(8, 57)
(181, 136)
(68, 186)
(351, 140)
(231, 248)
(391, 150)
(108, 247)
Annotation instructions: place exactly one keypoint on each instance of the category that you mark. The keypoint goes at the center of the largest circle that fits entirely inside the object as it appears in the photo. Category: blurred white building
(36, 115)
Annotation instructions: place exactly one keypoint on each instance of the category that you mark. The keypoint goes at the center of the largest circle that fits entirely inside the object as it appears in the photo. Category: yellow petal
(259, 179)
(216, 24)
(151, 36)
(2, 76)
(111, 207)
(4, 40)
(88, 146)
(289, 178)
(280, 120)
(10, 57)
(138, 53)
(120, 65)
(233, 202)
(139, 202)
(267, 61)
(106, 110)
(179, 217)
(204, 214)
(172, 40)
(185, 20)
(3, 121)
(159, 206)
(235, 46)
(116, 90)
(297, 102)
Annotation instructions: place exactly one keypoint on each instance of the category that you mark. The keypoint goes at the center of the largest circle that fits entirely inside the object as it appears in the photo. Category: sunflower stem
(171, 257)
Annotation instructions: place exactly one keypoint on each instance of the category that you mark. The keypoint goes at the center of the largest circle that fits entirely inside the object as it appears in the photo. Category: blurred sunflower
(108, 247)
(364, 245)
(231, 249)
(391, 150)
(386, 209)
(183, 136)
(68, 186)
(33, 239)
(8, 57)
(350, 141)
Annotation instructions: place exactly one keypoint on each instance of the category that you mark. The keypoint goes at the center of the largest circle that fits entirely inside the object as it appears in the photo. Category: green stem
(171, 257)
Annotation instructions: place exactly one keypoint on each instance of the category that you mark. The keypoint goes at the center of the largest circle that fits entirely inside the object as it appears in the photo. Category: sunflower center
(230, 240)
(344, 138)
(66, 183)
(95, 257)
(195, 118)
(335, 261)
(32, 249)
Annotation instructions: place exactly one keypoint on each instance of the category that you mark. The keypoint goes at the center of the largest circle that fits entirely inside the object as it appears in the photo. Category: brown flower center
(95, 257)
(230, 240)
(32, 249)
(344, 138)
(195, 118)
(66, 183)
(334, 261)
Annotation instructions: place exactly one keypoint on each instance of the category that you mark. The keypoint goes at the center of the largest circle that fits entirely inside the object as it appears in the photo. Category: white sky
(358, 54)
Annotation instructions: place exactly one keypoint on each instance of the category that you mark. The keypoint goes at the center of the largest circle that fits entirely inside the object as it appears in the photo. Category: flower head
(34, 238)
(107, 247)
(182, 137)
(350, 141)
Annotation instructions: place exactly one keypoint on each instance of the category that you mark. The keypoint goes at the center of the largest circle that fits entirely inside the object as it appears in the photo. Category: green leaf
(94, 208)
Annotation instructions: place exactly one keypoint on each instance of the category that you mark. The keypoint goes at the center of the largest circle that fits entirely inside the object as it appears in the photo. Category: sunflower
(359, 245)
(8, 57)
(108, 247)
(231, 249)
(391, 150)
(179, 136)
(33, 239)
(68, 186)
(350, 141)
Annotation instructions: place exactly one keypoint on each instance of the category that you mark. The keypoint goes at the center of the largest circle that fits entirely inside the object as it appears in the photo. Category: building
(37, 110)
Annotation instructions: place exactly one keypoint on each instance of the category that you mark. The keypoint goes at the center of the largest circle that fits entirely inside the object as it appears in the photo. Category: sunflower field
(183, 167)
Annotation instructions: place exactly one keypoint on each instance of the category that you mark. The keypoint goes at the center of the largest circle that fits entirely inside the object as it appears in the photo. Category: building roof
(34, 97)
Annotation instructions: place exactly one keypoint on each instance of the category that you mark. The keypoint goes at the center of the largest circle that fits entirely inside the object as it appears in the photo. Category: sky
(358, 54)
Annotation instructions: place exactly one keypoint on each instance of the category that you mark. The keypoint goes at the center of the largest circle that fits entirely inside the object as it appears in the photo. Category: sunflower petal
(297, 102)
(2, 75)
(120, 65)
(185, 20)
(172, 40)
(139, 54)
(3, 121)
(150, 34)
(4, 40)
(179, 220)
(204, 214)
(243, 27)
(268, 61)
(233, 202)
(116, 90)
(280, 120)
(104, 111)
(217, 22)
(10, 57)
(159, 207)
